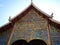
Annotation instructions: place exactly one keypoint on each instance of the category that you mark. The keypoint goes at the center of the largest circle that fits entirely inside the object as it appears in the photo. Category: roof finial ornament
(9, 18)
(31, 1)
(52, 15)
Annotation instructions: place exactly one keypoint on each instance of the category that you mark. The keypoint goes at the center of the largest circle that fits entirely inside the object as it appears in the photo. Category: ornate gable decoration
(32, 6)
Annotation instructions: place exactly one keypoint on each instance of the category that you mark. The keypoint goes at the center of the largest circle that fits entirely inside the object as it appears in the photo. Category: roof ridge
(40, 10)
(54, 20)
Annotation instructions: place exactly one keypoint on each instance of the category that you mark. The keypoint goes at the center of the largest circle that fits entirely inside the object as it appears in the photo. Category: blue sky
(14, 7)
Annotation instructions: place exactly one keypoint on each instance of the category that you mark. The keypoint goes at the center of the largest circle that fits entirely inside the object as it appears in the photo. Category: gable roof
(32, 6)
(19, 16)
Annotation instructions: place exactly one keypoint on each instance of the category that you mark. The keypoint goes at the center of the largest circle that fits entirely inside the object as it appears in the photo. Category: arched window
(32, 42)
(20, 42)
(37, 42)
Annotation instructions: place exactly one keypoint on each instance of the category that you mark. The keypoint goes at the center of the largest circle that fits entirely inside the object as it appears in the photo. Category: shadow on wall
(32, 42)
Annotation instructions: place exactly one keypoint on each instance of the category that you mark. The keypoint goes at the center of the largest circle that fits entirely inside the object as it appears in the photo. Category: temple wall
(31, 26)
(4, 36)
(55, 35)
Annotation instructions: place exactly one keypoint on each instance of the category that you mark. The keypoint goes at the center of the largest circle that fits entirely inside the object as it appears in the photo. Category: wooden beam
(11, 34)
(49, 35)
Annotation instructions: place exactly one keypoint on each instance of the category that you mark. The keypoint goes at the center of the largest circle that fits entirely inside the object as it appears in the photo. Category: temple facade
(31, 26)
